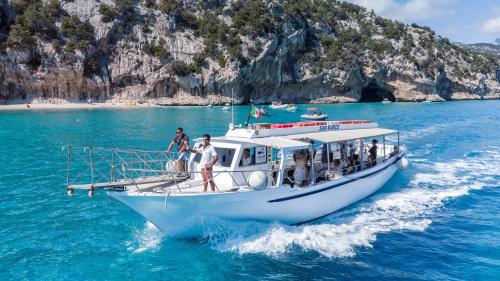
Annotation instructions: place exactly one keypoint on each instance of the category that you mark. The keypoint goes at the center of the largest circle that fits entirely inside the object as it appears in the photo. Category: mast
(232, 107)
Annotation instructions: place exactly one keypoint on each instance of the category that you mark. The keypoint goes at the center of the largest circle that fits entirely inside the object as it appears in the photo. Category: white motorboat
(386, 101)
(278, 105)
(227, 107)
(265, 190)
(314, 113)
(291, 108)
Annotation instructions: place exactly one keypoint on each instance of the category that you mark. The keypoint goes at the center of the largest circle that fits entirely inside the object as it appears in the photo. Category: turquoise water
(439, 219)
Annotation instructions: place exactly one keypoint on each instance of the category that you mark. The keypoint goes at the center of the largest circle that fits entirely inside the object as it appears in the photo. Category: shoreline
(74, 105)
(132, 105)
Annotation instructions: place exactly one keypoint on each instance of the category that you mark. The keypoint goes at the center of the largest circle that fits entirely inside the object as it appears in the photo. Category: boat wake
(339, 235)
(147, 238)
(420, 133)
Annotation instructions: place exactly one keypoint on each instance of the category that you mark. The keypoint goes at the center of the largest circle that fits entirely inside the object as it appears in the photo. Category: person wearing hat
(373, 152)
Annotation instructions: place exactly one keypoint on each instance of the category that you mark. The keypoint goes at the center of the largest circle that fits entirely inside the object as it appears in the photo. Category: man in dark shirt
(182, 141)
(373, 152)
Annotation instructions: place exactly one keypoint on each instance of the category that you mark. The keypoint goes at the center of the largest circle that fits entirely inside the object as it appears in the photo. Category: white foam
(410, 209)
(145, 239)
(421, 132)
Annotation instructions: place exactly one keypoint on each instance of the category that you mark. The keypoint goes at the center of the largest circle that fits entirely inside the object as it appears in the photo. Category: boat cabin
(278, 149)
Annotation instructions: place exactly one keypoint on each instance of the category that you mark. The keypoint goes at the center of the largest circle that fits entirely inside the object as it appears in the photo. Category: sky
(464, 21)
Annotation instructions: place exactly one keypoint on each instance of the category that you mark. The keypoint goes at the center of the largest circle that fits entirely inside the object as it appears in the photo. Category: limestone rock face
(278, 65)
(68, 83)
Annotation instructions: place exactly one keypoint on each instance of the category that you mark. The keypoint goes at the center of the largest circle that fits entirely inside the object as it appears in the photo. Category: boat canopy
(343, 135)
(281, 142)
(275, 142)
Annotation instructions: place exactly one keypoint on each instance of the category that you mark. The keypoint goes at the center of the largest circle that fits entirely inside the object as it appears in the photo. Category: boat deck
(163, 180)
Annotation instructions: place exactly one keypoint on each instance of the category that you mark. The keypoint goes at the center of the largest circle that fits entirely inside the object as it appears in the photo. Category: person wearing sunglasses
(182, 142)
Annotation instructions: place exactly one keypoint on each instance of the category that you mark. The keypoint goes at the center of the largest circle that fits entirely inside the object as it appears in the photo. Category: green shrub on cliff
(180, 68)
(199, 59)
(53, 8)
(107, 13)
(394, 30)
(20, 5)
(20, 37)
(150, 4)
(56, 45)
(77, 32)
(251, 16)
(156, 49)
(32, 21)
(124, 9)
(167, 6)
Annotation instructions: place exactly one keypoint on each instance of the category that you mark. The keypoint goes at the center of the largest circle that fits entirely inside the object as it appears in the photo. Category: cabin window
(253, 156)
(226, 156)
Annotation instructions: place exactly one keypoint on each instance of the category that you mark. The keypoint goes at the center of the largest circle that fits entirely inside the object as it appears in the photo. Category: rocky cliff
(198, 52)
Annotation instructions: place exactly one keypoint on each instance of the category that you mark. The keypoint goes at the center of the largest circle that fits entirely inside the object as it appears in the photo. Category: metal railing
(112, 168)
(216, 174)
(93, 165)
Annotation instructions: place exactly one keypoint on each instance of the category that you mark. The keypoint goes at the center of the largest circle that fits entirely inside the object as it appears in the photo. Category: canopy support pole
(311, 152)
(383, 145)
(328, 155)
(362, 153)
(282, 168)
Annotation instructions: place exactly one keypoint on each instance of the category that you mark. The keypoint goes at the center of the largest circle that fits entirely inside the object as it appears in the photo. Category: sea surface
(439, 219)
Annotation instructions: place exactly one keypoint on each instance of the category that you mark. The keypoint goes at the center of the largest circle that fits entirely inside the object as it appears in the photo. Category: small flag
(256, 112)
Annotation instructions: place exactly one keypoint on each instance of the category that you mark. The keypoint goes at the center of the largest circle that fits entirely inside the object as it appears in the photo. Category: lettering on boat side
(329, 127)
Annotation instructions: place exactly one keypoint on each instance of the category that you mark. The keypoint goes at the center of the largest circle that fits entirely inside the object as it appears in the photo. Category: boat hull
(283, 106)
(182, 214)
(314, 117)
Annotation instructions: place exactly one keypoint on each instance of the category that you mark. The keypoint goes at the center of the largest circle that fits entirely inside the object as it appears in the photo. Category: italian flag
(255, 112)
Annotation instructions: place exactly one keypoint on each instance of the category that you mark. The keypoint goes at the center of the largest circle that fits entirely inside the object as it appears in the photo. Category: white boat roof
(342, 135)
(291, 135)
(276, 142)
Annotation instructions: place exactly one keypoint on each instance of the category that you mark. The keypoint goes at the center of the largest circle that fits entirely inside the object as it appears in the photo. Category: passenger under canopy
(342, 135)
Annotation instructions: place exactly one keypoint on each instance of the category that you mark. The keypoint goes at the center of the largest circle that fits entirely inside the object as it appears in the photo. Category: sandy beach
(35, 106)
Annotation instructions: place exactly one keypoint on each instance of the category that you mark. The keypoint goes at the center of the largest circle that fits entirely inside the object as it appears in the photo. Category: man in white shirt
(247, 159)
(208, 159)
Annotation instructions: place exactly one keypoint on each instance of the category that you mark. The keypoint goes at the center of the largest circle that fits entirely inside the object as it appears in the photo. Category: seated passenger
(289, 178)
(357, 163)
(368, 162)
(300, 174)
(347, 166)
(337, 170)
(246, 160)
